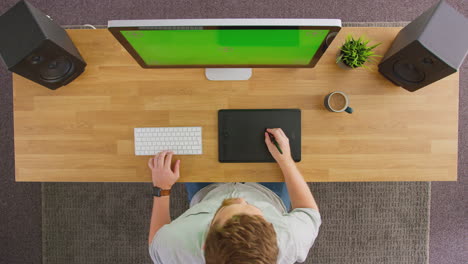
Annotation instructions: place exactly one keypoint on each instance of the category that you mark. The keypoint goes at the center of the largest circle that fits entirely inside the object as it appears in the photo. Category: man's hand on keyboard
(163, 175)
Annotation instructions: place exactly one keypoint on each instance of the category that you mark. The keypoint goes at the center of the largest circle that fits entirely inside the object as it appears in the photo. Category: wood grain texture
(84, 131)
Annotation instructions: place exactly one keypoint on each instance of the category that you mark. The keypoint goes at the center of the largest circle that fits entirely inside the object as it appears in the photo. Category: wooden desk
(84, 131)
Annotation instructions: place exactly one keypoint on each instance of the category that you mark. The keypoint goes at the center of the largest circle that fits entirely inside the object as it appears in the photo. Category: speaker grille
(56, 70)
(409, 72)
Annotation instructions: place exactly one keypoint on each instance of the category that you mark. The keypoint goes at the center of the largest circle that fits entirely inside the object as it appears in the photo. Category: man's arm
(160, 215)
(163, 177)
(299, 192)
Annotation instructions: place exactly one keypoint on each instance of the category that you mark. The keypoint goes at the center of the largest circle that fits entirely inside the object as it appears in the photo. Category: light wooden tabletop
(84, 131)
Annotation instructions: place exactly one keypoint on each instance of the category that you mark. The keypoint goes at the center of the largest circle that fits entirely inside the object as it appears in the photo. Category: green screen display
(226, 46)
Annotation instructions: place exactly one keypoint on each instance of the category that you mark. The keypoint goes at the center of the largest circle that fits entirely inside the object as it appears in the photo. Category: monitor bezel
(332, 25)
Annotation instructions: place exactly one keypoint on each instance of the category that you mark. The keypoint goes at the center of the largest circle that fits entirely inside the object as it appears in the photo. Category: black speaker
(33, 46)
(428, 49)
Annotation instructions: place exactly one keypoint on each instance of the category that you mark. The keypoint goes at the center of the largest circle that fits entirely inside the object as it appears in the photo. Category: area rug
(362, 222)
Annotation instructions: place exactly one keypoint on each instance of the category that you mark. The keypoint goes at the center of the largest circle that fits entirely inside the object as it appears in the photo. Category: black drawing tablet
(241, 133)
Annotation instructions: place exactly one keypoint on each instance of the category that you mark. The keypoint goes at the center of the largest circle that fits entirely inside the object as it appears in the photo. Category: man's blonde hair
(242, 239)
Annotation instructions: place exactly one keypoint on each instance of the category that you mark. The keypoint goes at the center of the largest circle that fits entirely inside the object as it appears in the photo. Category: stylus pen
(272, 138)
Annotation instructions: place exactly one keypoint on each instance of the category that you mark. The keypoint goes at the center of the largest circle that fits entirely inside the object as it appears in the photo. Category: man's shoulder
(192, 224)
(175, 244)
(183, 238)
(296, 233)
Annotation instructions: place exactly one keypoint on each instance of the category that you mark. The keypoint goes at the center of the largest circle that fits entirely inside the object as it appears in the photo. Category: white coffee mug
(345, 108)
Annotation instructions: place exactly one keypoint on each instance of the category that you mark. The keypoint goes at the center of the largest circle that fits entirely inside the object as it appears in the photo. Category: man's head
(239, 234)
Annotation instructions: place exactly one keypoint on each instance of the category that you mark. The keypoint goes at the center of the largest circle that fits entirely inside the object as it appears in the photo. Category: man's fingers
(280, 137)
(268, 142)
(151, 163)
(282, 132)
(276, 132)
(168, 160)
(155, 160)
(160, 161)
(177, 168)
(267, 138)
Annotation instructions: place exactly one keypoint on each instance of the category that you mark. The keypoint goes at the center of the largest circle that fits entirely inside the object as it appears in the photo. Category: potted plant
(355, 53)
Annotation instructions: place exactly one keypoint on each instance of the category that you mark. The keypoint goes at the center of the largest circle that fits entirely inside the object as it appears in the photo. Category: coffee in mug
(337, 102)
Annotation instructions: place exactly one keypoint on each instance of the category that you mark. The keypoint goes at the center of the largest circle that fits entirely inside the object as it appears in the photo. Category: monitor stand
(228, 74)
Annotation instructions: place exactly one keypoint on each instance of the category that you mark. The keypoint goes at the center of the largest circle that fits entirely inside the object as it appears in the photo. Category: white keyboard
(180, 140)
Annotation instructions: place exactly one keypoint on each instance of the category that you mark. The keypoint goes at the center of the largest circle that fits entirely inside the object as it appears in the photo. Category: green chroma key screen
(226, 46)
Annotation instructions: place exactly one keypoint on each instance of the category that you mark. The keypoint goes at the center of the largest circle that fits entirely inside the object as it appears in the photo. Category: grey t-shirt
(182, 240)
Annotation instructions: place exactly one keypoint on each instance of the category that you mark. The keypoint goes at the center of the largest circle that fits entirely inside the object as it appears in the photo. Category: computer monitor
(228, 48)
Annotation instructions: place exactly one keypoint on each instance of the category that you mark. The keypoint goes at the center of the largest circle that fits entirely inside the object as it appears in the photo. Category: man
(235, 222)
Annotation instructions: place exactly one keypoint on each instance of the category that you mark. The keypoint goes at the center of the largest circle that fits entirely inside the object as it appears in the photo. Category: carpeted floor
(363, 223)
(20, 214)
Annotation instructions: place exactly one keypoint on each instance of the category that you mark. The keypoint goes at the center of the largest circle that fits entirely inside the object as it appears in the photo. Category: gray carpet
(95, 223)
(99, 222)
(372, 223)
(363, 223)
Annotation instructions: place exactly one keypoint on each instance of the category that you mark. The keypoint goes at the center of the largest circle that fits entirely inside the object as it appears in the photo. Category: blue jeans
(277, 187)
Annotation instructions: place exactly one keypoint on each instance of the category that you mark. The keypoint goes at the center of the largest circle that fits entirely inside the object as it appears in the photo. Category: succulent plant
(355, 52)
